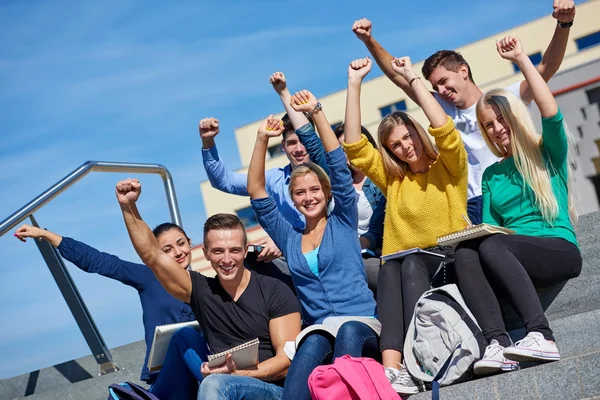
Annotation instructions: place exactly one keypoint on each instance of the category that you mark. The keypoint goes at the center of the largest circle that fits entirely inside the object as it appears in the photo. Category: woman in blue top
(158, 306)
(526, 191)
(324, 259)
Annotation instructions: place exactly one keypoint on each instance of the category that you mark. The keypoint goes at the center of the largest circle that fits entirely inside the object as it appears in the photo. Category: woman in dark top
(158, 307)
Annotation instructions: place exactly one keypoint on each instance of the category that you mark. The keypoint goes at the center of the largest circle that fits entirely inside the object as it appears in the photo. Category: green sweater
(507, 203)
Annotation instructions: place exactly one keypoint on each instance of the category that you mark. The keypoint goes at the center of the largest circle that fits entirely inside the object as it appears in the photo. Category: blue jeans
(353, 338)
(180, 373)
(233, 387)
(475, 209)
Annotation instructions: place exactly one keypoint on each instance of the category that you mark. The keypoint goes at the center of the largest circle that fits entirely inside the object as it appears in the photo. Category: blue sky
(128, 81)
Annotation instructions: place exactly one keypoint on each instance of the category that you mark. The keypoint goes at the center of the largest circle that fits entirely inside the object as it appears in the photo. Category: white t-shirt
(365, 211)
(479, 155)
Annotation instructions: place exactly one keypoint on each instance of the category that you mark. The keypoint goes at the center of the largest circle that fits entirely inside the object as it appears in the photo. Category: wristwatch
(317, 108)
(564, 24)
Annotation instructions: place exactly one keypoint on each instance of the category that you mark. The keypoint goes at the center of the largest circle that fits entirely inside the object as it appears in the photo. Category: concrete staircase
(574, 316)
(573, 312)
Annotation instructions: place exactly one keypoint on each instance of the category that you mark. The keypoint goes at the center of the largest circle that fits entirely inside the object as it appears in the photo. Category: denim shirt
(277, 182)
(377, 200)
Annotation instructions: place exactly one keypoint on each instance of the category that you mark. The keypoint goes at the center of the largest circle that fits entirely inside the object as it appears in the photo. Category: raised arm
(510, 48)
(175, 279)
(304, 102)
(219, 176)
(432, 109)
(271, 127)
(302, 126)
(357, 71)
(564, 13)
(363, 29)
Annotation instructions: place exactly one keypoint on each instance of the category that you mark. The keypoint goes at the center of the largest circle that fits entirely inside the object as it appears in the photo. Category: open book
(331, 325)
(404, 253)
(472, 232)
(244, 356)
(160, 343)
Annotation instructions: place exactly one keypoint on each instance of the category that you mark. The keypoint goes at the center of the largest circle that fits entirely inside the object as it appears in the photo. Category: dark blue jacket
(158, 306)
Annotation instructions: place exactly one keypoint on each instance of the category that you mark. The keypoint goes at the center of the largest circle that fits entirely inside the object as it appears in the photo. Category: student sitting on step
(528, 191)
(158, 306)
(426, 191)
(324, 258)
(233, 308)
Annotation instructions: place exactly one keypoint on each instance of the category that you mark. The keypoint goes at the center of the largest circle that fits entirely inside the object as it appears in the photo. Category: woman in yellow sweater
(426, 191)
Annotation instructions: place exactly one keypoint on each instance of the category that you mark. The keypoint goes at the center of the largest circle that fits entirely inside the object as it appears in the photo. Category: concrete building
(576, 85)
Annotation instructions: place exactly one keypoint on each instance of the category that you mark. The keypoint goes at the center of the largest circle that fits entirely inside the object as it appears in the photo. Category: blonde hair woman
(527, 191)
(426, 191)
(324, 258)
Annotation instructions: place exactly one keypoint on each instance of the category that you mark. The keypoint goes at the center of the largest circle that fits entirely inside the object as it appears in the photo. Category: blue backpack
(129, 391)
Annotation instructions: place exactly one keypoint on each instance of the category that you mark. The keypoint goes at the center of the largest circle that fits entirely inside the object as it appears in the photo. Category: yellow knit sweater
(420, 207)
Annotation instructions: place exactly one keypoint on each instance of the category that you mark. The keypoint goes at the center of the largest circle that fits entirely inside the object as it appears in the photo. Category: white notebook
(244, 356)
(472, 232)
(160, 343)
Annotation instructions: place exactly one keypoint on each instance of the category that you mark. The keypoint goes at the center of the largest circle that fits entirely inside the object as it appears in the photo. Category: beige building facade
(576, 85)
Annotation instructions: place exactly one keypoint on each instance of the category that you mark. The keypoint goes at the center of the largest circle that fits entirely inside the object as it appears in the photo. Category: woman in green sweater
(526, 191)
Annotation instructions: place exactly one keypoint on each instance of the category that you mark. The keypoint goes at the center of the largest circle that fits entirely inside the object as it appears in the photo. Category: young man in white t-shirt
(456, 91)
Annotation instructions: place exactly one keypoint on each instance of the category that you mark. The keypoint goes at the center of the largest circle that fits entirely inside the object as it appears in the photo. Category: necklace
(314, 244)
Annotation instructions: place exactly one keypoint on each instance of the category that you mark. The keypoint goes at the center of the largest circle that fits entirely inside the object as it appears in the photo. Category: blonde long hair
(526, 147)
(392, 164)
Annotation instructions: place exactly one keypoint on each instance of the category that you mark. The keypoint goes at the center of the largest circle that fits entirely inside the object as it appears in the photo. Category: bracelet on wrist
(564, 24)
(317, 108)
(413, 79)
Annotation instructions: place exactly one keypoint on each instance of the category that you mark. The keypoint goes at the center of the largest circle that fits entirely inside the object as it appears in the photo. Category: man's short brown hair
(449, 59)
(223, 222)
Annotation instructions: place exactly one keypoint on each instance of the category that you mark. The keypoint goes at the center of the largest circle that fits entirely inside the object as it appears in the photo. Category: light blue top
(340, 289)
(277, 181)
(312, 260)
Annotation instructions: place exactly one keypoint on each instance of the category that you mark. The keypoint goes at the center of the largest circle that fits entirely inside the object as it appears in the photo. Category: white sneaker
(534, 347)
(402, 382)
(494, 361)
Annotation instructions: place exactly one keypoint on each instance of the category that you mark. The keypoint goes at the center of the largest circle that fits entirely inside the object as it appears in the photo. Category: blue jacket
(314, 147)
(158, 306)
(341, 287)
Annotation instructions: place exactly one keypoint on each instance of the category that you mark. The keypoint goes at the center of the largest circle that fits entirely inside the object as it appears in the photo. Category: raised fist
(509, 48)
(128, 191)
(278, 81)
(303, 101)
(208, 127)
(403, 66)
(362, 29)
(28, 231)
(359, 68)
(271, 127)
(564, 10)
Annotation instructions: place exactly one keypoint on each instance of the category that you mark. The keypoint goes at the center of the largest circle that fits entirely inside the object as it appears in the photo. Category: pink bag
(350, 378)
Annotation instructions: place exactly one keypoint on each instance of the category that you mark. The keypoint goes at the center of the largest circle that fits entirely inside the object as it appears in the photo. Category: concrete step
(575, 376)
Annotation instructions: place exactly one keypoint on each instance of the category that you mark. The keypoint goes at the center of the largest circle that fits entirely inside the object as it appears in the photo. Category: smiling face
(451, 85)
(496, 127)
(294, 149)
(308, 196)
(225, 249)
(404, 143)
(176, 245)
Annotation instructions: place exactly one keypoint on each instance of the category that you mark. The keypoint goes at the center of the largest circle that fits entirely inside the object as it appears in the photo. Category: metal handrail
(100, 166)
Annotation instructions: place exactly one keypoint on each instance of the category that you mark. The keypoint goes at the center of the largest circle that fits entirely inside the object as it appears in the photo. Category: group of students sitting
(342, 193)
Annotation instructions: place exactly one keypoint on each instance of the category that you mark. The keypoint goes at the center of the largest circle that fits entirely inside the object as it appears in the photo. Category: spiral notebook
(244, 356)
(160, 343)
(472, 232)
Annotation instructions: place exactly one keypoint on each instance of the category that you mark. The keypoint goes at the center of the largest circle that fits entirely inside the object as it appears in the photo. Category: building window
(588, 41)
(593, 95)
(535, 58)
(247, 216)
(275, 150)
(387, 110)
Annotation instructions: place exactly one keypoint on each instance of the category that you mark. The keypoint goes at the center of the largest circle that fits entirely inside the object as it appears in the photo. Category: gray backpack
(443, 339)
